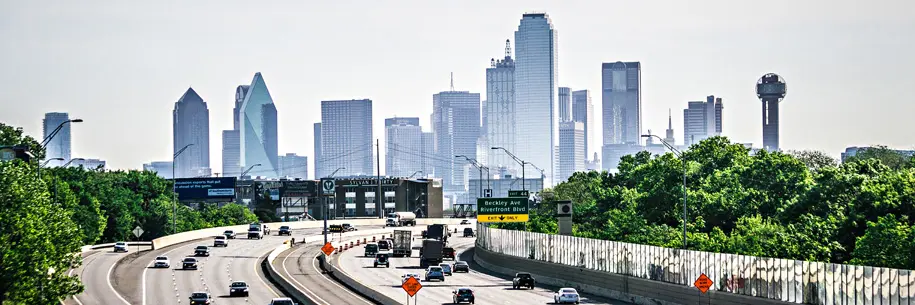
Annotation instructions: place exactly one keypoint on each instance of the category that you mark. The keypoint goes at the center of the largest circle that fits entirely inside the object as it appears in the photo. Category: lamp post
(75, 159)
(174, 193)
(521, 162)
(52, 159)
(478, 166)
(414, 174)
(327, 204)
(248, 170)
(680, 155)
(47, 140)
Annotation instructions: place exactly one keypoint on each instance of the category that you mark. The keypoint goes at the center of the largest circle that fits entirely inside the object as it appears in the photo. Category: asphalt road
(95, 273)
(488, 288)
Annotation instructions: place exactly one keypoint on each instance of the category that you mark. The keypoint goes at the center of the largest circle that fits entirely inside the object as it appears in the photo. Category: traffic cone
(363, 240)
(373, 238)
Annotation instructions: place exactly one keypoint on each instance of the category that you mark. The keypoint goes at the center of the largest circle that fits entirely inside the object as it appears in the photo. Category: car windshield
(464, 291)
(162, 258)
(229, 232)
(282, 302)
(284, 228)
(435, 269)
(190, 260)
(120, 244)
(524, 275)
(201, 247)
(199, 295)
(239, 284)
(371, 246)
(220, 237)
(568, 290)
(461, 263)
(445, 266)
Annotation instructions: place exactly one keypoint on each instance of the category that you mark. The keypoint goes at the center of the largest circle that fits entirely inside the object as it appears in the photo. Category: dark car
(424, 234)
(523, 279)
(448, 253)
(371, 250)
(465, 222)
(200, 298)
(284, 230)
(461, 295)
(460, 266)
(382, 259)
(189, 263)
(468, 232)
(348, 227)
(202, 251)
(238, 288)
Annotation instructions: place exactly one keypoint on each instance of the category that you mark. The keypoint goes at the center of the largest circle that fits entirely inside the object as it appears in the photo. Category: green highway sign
(521, 193)
(502, 209)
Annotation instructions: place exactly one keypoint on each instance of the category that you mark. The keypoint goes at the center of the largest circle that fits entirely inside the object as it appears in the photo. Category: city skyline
(143, 125)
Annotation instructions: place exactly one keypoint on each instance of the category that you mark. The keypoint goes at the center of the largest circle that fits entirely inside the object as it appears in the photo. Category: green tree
(38, 243)
(10, 136)
(814, 159)
(884, 244)
(887, 156)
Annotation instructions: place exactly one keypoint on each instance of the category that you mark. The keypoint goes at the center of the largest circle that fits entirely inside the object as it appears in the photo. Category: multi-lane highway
(488, 289)
(95, 273)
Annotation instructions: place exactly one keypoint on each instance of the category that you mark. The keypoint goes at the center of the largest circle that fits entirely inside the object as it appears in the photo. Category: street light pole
(174, 193)
(478, 166)
(47, 140)
(414, 174)
(327, 204)
(521, 162)
(680, 155)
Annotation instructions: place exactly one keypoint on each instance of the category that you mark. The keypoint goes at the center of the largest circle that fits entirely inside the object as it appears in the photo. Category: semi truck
(437, 231)
(399, 219)
(403, 243)
(431, 253)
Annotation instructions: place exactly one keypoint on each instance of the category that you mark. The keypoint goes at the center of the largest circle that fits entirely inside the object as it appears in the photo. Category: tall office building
(565, 104)
(59, 147)
(702, 120)
(191, 126)
(500, 109)
(293, 166)
(536, 79)
(571, 145)
(669, 133)
(583, 111)
(346, 137)
(429, 155)
(258, 130)
(231, 145)
(456, 124)
(161, 168)
(317, 156)
(403, 138)
(621, 102)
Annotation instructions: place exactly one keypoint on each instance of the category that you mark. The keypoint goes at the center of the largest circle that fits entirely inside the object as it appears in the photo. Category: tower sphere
(771, 86)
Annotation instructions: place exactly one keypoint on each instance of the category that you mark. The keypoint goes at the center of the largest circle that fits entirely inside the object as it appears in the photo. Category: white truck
(399, 219)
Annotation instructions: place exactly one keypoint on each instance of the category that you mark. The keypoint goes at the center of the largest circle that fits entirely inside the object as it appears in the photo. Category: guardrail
(758, 278)
(88, 248)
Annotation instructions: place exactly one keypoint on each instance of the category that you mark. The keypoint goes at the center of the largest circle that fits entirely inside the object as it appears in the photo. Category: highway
(95, 272)
(488, 289)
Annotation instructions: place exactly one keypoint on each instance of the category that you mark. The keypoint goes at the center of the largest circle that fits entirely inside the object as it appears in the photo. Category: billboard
(301, 188)
(205, 189)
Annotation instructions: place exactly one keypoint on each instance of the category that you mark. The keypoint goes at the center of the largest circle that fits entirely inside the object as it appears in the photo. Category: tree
(38, 243)
(10, 136)
(814, 159)
(883, 244)
(891, 158)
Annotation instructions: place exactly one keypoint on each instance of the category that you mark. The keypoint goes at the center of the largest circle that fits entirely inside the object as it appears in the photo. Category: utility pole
(379, 202)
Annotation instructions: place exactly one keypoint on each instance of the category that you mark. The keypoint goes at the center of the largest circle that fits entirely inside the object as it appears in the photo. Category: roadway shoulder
(127, 274)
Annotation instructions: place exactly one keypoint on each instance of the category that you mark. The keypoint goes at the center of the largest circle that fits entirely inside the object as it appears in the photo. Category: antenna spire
(452, 81)
(508, 48)
(670, 122)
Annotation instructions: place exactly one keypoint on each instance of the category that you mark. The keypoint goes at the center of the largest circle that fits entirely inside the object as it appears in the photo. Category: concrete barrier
(616, 286)
(88, 248)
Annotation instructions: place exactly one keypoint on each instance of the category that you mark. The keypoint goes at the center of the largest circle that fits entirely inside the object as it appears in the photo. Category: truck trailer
(399, 219)
(431, 253)
(403, 243)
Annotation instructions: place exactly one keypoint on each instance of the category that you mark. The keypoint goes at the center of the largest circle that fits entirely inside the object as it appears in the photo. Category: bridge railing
(779, 279)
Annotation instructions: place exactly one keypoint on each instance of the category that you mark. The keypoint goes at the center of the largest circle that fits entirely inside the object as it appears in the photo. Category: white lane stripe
(143, 280)
(261, 277)
(312, 294)
(314, 265)
(108, 279)
(74, 297)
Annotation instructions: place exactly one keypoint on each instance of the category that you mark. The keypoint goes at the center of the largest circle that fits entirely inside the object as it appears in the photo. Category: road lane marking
(261, 277)
(313, 264)
(143, 280)
(299, 283)
(108, 279)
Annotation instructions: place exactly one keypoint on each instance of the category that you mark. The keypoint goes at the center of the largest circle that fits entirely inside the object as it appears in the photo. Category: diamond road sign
(502, 210)
(137, 231)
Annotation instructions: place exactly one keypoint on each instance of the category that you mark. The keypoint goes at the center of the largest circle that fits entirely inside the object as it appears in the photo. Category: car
(284, 230)
(468, 232)
(161, 262)
(221, 241)
(348, 227)
(266, 230)
(435, 272)
(371, 249)
(384, 245)
(446, 268)
(189, 263)
(523, 279)
(465, 222)
(462, 294)
(200, 298)
(230, 234)
(406, 276)
(424, 234)
(382, 259)
(120, 246)
(282, 301)
(238, 288)
(566, 295)
(202, 251)
(448, 253)
(460, 266)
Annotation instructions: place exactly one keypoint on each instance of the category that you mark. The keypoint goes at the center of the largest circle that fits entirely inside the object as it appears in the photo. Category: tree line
(45, 220)
(800, 205)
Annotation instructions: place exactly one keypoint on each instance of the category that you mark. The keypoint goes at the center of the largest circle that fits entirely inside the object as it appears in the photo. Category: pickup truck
(523, 279)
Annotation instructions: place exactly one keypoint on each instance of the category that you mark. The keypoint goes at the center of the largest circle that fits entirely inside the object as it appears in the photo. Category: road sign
(502, 209)
(137, 231)
(503, 218)
(487, 193)
(521, 193)
(328, 186)
(703, 283)
(412, 286)
(327, 249)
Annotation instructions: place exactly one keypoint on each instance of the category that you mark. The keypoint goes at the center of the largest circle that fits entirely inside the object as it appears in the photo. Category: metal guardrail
(777, 279)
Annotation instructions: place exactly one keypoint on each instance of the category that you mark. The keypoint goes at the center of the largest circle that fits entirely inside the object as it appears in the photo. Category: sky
(121, 65)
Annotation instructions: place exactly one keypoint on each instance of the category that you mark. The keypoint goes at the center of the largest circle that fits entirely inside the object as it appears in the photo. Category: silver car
(120, 246)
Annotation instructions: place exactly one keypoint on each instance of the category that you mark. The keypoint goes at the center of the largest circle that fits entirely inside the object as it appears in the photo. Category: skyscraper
(571, 145)
(403, 138)
(771, 90)
(231, 145)
(429, 155)
(456, 124)
(583, 111)
(536, 79)
(293, 166)
(669, 133)
(702, 120)
(346, 137)
(258, 130)
(161, 168)
(500, 109)
(621, 102)
(59, 147)
(317, 156)
(191, 121)
(565, 104)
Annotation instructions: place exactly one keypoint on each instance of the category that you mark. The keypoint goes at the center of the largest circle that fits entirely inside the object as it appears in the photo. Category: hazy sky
(121, 65)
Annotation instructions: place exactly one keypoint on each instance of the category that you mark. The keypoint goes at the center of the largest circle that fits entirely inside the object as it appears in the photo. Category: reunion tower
(770, 89)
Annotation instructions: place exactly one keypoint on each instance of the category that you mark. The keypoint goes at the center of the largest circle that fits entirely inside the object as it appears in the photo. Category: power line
(343, 155)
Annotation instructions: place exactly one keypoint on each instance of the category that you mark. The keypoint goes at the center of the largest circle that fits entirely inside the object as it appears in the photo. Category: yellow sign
(503, 218)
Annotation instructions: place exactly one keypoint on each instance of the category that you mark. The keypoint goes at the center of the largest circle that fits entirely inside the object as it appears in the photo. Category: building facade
(565, 104)
(161, 168)
(59, 147)
(258, 130)
(346, 137)
(456, 128)
(571, 147)
(191, 126)
(500, 108)
(583, 111)
(429, 155)
(702, 120)
(317, 156)
(536, 78)
(356, 197)
(293, 166)
(403, 138)
(91, 163)
(231, 153)
(621, 102)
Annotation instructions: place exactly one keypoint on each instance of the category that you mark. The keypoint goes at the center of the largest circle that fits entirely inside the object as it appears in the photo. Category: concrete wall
(621, 287)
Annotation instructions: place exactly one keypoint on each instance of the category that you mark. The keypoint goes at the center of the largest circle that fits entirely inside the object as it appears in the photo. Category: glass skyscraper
(456, 128)
(258, 125)
(500, 110)
(346, 137)
(536, 79)
(59, 147)
(191, 120)
(621, 102)
(583, 111)
(403, 138)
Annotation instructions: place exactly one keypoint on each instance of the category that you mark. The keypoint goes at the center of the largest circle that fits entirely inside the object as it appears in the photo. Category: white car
(120, 246)
(230, 234)
(162, 262)
(566, 295)
(282, 301)
(409, 275)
